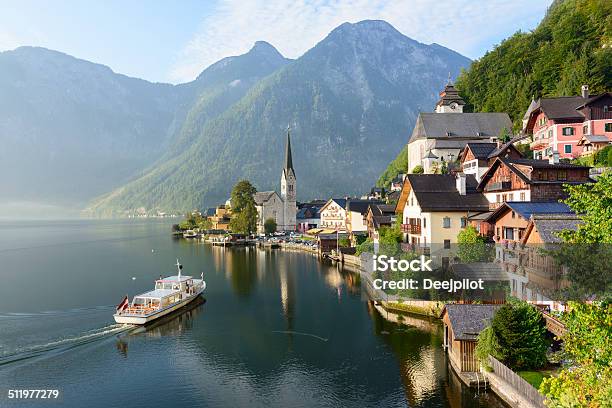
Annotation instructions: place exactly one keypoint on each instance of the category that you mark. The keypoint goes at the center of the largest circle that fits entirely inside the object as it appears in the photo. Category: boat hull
(144, 319)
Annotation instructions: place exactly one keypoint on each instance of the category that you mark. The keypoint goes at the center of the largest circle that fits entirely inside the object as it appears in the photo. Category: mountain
(350, 102)
(63, 120)
(571, 46)
(72, 130)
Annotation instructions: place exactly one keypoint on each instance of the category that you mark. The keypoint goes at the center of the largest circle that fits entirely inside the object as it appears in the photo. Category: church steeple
(288, 157)
(450, 100)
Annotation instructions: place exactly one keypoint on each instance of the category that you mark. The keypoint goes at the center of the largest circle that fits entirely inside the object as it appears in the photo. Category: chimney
(554, 158)
(585, 91)
(460, 183)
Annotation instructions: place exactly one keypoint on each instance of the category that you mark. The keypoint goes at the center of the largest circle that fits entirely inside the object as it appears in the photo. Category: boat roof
(157, 294)
(174, 278)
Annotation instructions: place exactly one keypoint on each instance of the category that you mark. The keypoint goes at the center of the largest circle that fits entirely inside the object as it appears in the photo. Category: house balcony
(499, 186)
(411, 229)
(539, 144)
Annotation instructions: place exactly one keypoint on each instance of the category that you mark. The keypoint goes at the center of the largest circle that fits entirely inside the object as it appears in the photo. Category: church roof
(461, 126)
(262, 197)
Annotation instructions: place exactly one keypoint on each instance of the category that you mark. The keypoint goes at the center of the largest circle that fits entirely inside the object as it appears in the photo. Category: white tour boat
(170, 293)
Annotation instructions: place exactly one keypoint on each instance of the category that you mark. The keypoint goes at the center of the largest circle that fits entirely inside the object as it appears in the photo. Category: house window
(424, 222)
(608, 127)
(568, 131)
(513, 214)
(463, 222)
(605, 108)
(447, 244)
(446, 222)
(550, 134)
(585, 130)
(567, 148)
(562, 175)
(497, 198)
(511, 197)
(509, 233)
(522, 196)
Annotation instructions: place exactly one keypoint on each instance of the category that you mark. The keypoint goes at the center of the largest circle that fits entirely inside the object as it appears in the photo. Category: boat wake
(300, 334)
(59, 346)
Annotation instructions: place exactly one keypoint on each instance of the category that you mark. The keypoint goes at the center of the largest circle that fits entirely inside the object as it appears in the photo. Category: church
(281, 208)
(441, 135)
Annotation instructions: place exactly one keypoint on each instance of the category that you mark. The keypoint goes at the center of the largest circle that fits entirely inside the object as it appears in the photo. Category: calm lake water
(275, 329)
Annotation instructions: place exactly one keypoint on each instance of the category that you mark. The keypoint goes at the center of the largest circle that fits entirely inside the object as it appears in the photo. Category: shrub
(418, 169)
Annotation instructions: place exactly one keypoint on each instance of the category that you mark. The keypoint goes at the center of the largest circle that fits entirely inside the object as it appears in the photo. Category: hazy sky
(172, 41)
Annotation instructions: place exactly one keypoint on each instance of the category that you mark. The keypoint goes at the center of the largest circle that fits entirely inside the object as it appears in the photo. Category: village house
(539, 277)
(510, 179)
(221, 218)
(590, 144)
(509, 221)
(476, 158)
(397, 182)
(441, 135)
(333, 214)
(462, 325)
(436, 208)
(558, 124)
(377, 216)
(281, 208)
(356, 212)
(308, 217)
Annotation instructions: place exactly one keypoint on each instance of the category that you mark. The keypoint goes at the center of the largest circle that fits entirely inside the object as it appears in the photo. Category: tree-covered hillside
(571, 46)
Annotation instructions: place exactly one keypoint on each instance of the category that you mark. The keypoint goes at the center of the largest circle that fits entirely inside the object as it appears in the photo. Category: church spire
(288, 157)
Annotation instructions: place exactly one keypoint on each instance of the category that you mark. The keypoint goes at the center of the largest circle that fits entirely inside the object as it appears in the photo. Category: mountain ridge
(355, 91)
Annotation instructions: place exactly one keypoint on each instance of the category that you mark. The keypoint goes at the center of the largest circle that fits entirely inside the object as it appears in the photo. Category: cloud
(294, 26)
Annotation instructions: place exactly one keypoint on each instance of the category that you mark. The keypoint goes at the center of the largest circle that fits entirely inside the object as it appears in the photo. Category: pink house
(558, 124)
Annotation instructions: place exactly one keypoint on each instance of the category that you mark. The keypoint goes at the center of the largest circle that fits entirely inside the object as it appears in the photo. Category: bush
(270, 226)
(418, 169)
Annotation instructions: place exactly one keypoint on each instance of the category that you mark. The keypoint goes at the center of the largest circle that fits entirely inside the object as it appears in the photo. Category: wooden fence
(519, 385)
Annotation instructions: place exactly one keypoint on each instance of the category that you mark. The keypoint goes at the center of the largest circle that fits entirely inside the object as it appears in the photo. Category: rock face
(351, 102)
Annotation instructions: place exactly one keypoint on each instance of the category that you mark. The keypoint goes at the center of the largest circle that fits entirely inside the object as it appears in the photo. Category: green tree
(242, 193)
(586, 252)
(487, 346)
(570, 47)
(586, 379)
(418, 169)
(270, 226)
(517, 337)
(344, 242)
(472, 246)
(244, 213)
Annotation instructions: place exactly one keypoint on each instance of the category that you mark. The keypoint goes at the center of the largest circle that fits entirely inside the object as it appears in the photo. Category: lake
(274, 328)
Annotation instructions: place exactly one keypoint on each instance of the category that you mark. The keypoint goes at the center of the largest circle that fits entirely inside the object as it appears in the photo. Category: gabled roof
(526, 209)
(479, 125)
(480, 150)
(340, 201)
(593, 139)
(506, 146)
(262, 197)
(468, 320)
(549, 225)
(210, 211)
(360, 206)
(438, 192)
(382, 209)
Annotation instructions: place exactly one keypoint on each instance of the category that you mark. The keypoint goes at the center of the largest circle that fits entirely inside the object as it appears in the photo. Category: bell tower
(288, 188)
(450, 100)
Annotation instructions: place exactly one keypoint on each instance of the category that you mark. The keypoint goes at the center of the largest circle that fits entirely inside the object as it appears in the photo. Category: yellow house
(436, 207)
